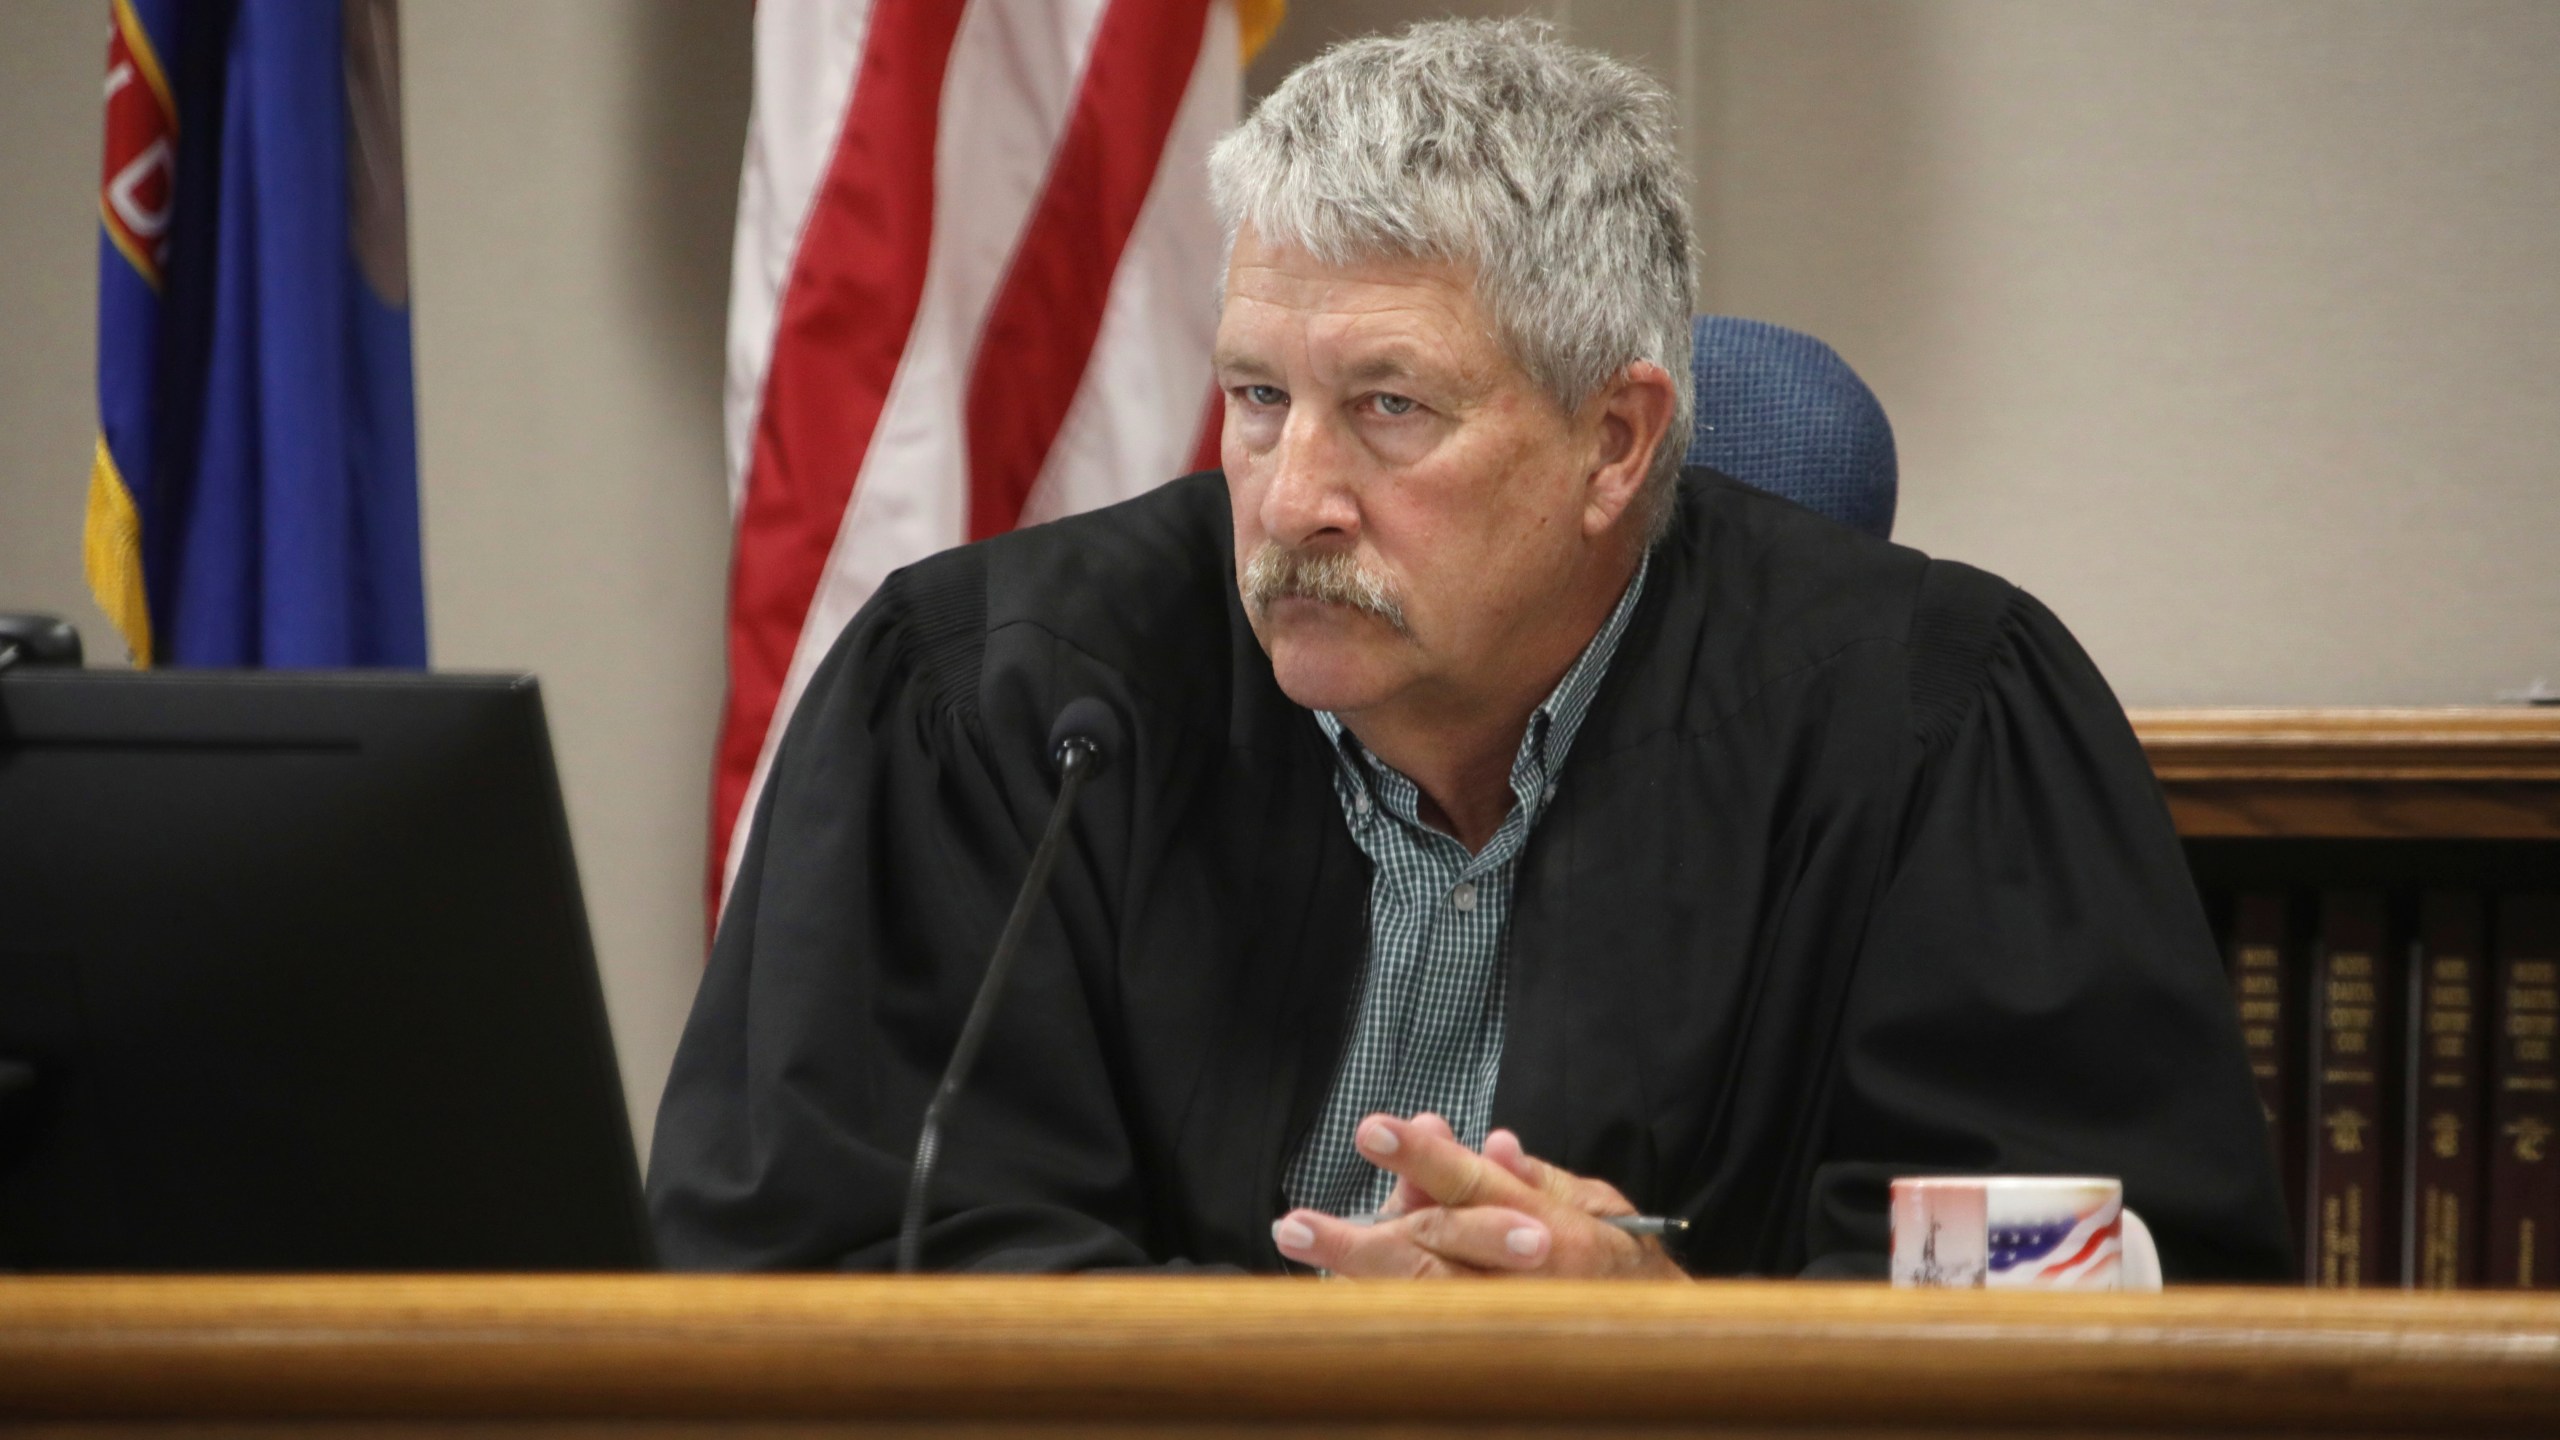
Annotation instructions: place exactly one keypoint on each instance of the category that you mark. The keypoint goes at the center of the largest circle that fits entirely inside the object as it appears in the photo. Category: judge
(1511, 831)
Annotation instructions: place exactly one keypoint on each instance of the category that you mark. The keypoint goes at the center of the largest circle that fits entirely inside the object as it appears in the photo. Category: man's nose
(1309, 498)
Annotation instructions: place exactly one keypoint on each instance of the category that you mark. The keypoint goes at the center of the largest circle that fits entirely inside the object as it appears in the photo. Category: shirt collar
(1562, 713)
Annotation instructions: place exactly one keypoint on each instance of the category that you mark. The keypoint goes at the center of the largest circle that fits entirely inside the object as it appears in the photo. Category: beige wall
(2231, 329)
(52, 64)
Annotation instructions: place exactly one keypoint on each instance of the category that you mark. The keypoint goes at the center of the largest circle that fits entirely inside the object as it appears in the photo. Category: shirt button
(1464, 897)
(1549, 794)
(1360, 802)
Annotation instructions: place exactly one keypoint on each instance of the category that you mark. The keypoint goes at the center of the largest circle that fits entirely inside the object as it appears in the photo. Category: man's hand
(1456, 1212)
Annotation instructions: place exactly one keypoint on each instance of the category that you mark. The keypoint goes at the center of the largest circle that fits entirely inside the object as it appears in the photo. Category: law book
(2262, 985)
(2344, 1230)
(2524, 1175)
(2441, 1152)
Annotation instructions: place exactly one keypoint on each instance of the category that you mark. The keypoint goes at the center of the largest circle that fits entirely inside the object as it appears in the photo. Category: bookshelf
(2399, 1080)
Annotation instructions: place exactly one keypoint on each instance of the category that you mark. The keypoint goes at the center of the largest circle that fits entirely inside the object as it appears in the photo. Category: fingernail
(1378, 1138)
(1292, 1235)
(1525, 1240)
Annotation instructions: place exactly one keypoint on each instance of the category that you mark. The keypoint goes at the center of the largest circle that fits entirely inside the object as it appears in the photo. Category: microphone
(1081, 743)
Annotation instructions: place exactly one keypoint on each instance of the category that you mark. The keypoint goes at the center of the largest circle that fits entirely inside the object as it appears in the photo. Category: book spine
(2524, 1176)
(2261, 988)
(2441, 1196)
(2343, 1234)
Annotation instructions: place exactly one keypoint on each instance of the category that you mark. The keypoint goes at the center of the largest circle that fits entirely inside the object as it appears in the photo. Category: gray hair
(1547, 170)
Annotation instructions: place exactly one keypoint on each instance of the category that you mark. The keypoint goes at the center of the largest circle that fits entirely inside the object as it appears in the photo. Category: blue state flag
(254, 494)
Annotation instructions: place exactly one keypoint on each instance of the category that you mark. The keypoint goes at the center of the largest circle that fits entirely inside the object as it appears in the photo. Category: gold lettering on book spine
(2349, 999)
(2342, 1239)
(2348, 995)
(2440, 1244)
(2260, 989)
(2447, 1025)
(2533, 1018)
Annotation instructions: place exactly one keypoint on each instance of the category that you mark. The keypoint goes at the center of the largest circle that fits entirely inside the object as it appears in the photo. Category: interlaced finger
(1435, 1163)
(1409, 1197)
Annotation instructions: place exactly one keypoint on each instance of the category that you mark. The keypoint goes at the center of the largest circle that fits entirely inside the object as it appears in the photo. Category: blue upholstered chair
(1782, 412)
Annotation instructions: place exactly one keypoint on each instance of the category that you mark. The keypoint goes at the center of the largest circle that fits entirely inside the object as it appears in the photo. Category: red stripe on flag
(2087, 1249)
(1041, 330)
(855, 286)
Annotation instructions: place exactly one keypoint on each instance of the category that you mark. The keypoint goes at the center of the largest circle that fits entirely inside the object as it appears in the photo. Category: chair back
(1782, 412)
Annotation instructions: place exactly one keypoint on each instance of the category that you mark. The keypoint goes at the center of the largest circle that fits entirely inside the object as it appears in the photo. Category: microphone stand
(1078, 759)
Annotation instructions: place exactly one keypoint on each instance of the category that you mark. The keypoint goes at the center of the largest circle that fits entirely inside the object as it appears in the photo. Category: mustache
(1335, 577)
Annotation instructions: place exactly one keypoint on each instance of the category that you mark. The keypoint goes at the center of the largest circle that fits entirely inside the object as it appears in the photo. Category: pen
(1656, 1226)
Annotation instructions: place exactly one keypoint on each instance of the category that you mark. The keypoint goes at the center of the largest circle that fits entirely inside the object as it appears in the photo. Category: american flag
(2079, 1248)
(974, 286)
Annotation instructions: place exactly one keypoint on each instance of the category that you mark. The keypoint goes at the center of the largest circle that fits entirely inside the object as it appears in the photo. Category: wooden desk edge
(1156, 1349)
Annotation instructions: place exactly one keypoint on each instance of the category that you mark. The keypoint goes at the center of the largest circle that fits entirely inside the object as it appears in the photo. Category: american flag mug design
(2009, 1232)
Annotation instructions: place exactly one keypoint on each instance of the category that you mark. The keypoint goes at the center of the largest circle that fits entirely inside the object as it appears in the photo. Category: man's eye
(1395, 404)
(1265, 395)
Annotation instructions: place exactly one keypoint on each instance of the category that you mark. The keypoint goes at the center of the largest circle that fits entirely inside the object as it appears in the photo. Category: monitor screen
(295, 975)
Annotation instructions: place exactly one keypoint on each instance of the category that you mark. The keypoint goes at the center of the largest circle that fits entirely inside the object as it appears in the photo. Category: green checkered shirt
(1428, 1035)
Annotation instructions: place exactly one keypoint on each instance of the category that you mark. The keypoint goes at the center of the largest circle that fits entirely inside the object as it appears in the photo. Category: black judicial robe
(1855, 870)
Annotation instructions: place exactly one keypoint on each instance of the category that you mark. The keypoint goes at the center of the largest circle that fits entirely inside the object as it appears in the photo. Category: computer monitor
(295, 975)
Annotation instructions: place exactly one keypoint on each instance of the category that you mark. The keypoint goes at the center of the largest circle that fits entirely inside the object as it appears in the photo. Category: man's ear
(1631, 416)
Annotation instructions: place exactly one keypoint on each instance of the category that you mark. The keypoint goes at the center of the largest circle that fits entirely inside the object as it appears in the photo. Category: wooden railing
(2359, 774)
(92, 1356)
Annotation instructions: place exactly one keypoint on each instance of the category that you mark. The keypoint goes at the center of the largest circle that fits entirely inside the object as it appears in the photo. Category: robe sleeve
(2037, 990)
(883, 860)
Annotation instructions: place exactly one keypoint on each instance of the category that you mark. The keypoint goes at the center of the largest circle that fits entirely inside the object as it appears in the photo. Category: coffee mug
(2012, 1232)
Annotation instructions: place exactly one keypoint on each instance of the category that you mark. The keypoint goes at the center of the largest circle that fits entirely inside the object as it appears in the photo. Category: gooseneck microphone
(1082, 742)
